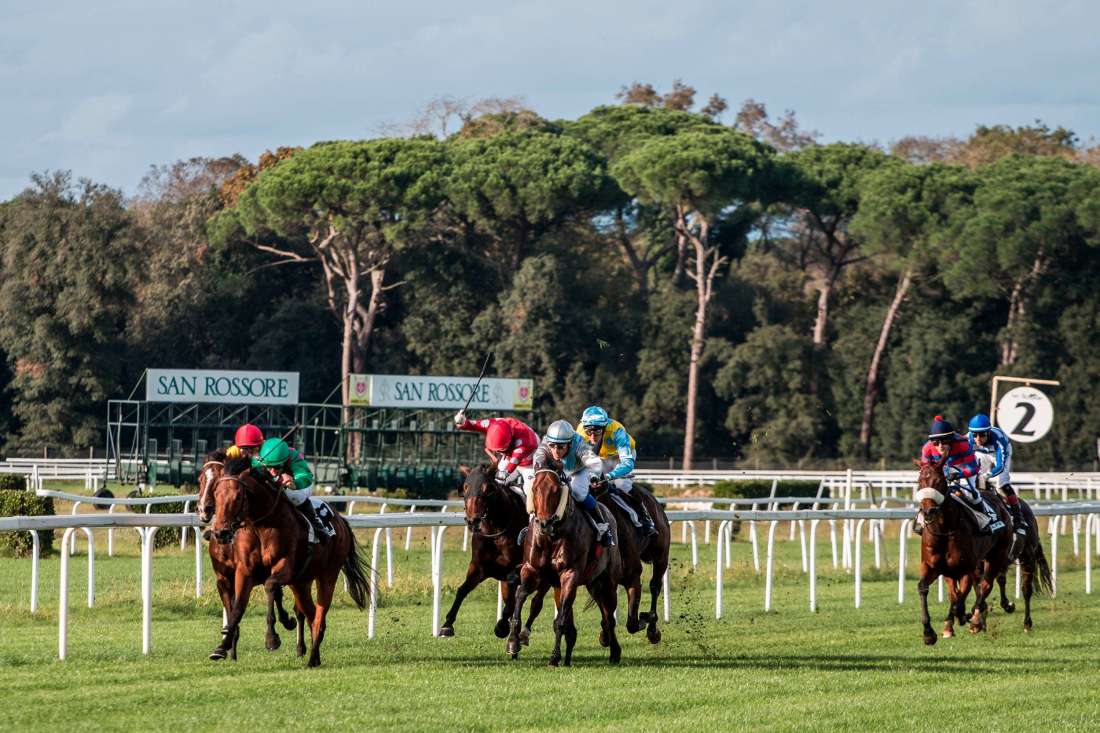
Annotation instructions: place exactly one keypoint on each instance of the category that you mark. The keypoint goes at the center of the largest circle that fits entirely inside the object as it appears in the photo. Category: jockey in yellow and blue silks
(615, 448)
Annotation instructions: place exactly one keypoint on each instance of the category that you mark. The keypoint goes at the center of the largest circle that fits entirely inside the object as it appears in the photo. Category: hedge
(762, 488)
(16, 501)
(165, 536)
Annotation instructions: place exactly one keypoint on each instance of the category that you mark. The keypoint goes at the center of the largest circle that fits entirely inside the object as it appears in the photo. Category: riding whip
(481, 376)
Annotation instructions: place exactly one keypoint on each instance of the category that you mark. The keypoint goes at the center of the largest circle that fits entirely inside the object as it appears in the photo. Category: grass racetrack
(839, 668)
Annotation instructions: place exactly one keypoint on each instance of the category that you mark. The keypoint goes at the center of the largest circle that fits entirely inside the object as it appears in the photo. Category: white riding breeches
(298, 497)
(579, 483)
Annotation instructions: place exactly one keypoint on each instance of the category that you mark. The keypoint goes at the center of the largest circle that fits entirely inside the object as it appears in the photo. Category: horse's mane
(234, 466)
(214, 455)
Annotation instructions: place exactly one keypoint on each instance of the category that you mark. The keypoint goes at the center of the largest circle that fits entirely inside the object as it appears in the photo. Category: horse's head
(931, 487)
(212, 467)
(231, 493)
(479, 482)
(549, 497)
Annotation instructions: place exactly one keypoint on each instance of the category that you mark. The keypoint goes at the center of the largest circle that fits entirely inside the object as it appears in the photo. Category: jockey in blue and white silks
(581, 466)
(616, 449)
(994, 452)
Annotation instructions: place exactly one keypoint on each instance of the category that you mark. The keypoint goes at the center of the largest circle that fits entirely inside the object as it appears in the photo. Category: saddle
(325, 514)
(984, 517)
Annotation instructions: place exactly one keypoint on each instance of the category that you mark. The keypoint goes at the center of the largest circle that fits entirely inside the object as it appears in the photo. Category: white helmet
(560, 431)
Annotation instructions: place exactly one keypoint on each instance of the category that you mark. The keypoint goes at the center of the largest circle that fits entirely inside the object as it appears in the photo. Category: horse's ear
(917, 463)
(464, 469)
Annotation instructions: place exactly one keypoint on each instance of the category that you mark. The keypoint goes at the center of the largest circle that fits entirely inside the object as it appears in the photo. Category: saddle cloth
(617, 497)
(327, 517)
(985, 516)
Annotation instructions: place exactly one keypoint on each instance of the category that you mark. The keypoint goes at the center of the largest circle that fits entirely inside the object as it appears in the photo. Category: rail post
(718, 573)
(373, 583)
(903, 533)
(147, 589)
(63, 598)
(813, 564)
(858, 570)
(770, 565)
(36, 551)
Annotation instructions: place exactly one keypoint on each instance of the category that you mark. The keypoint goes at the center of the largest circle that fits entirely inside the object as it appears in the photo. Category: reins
(248, 490)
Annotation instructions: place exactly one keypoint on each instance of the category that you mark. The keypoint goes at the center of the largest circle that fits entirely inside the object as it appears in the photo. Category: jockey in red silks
(509, 443)
(962, 465)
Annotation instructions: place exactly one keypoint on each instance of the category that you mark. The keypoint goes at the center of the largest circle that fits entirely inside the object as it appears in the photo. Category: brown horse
(952, 547)
(276, 550)
(1034, 571)
(495, 516)
(561, 549)
(223, 560)
(636, 548)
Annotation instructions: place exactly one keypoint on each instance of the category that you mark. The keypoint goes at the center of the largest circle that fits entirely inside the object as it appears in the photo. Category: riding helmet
(273, 453)
(248, 436)
(560, 431)
(498, 436)
(941, 428)
(980, 423)
(595, 417)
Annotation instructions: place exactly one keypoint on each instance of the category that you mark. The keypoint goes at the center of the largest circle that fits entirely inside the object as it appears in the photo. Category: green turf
(840, 668)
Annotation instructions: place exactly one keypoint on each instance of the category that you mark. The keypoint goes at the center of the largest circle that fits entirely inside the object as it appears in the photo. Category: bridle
(474, 523)
(551, 524)
(250, 487)
(208, 472)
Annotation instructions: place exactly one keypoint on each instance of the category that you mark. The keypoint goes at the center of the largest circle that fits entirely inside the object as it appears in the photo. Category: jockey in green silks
(289, 469)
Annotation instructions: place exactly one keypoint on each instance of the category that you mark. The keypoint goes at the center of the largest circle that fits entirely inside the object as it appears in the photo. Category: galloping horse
(635, 548)
(276, 549)
(223, 558)
(495, 515)
(561, 549)
(952, 547)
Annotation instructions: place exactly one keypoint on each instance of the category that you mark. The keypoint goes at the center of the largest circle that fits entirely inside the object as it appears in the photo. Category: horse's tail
(1044, 580)
(356, 571)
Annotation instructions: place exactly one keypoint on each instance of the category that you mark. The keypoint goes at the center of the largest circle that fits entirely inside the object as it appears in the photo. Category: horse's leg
(982, 590)
(303, 609)
(226, 593)
(954, 597)
(607, 598)
(1006, 605)
(271, 640)
(325, 586)
(284, 617)
(536, 609)
(927, 577)
(242, 588)
(527, 579)
(474, 576)
(633, 585)
(1027, 582)
(566, 595)
(965, 584)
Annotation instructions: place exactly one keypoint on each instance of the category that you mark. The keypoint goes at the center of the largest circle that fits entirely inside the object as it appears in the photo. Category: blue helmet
(980, 423)
(595, 417)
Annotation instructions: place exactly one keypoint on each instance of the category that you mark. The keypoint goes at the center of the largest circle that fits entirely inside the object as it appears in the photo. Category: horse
(951, 547)
(495, 515)
(636, 548)
(1034, 570)
(562, 549)
(276, 550)
(223, 560)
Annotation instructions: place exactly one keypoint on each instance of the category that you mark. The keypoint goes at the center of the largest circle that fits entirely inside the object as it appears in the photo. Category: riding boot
(1019, 535)
(603, 530)
(306, 508)
(643, 513)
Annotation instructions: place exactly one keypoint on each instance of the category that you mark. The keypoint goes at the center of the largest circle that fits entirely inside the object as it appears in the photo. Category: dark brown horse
(636, 548)
(276, 550)
(1034, 572)
(495, 516)
(223, 560)
(951, 546)
(561, 549)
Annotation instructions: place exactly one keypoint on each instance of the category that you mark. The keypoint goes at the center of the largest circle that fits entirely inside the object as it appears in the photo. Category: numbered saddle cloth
(985, 516)
(326, 515)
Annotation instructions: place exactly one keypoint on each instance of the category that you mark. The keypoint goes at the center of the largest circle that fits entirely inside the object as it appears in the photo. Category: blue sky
(108, 88)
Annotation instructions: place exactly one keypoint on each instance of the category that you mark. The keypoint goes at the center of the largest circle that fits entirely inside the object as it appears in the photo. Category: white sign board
(1025, 414)
(221, 385)
(445, 393)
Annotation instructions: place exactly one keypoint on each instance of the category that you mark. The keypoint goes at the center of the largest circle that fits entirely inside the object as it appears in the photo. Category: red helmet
(248, 436)
(499, 435)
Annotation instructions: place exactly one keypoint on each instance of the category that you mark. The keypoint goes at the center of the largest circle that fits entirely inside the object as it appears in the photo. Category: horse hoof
(1027, 626)
(616, 656)
(1008, 607)
(633, 626)
(975, 629)
(289, 624)
(948, 634)
(604, 641)
(512, 648)
(300, 651)
(501, 629)
(653, 634)
(555, 661)
(929, 639)
(525, 637)
(448, 631)
(273, 642)
(314, 662)
(217, 655)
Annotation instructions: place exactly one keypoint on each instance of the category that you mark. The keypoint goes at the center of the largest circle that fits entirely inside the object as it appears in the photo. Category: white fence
(1084, 516)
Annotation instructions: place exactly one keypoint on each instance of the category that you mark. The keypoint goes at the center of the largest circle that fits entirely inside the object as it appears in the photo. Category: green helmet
(273, 453)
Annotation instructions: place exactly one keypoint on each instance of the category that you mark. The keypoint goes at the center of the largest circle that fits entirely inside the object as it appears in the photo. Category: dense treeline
(734, 290)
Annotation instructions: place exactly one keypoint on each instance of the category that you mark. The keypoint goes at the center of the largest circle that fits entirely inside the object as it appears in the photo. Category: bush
(165, 535)
(12, 482)
(762, 488)
(16, 503)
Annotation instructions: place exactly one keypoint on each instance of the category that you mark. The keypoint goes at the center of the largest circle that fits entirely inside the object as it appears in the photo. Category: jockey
(992, 445)
(961, 467)
(509, 443)
(289, 469)
(615, 447)
(246, 441)
(580, 465)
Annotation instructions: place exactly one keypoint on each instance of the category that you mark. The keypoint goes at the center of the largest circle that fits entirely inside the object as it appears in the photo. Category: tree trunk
(1018, 303)
(870, 394)
(822, 319)
(707, 263)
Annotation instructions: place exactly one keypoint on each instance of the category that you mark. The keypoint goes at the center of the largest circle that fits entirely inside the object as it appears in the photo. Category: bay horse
(952, 547)
(223, 558)
(561, 549)
(495, 515)
(276, 549)
(635, 548)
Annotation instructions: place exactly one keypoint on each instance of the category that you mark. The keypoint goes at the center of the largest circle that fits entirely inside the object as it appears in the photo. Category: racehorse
(277, 550)
(495, 515)
(636, 548)
(223, 559)
(1034, 571)
(562, 549)
(952, 547)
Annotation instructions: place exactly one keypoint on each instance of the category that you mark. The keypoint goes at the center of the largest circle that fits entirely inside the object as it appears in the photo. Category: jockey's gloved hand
(953, 473)
(599, 486)
(502, 476)
(460, 417)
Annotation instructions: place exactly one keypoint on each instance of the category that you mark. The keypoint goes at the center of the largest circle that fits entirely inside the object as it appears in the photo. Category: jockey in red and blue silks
(962, 465)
